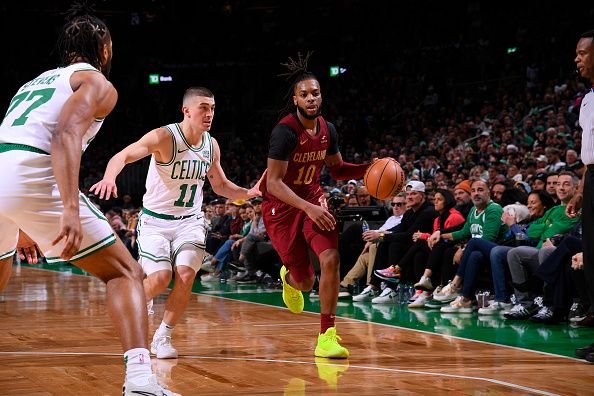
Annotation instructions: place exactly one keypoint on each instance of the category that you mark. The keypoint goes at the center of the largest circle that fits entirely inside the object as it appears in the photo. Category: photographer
(364, 264)
(351, 242)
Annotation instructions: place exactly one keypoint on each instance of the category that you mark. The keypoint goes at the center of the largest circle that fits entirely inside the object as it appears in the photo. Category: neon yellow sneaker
(292, 297)
(328, 346)
(329, 371)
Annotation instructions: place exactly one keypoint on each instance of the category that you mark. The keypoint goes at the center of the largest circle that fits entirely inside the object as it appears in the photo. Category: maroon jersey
(306, 159)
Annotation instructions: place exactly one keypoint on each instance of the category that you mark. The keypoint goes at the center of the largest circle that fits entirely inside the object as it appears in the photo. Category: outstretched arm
(157, 141)
(223, 186)
(341, 170)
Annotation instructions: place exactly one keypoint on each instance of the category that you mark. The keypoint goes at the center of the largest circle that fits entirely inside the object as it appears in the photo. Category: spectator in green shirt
(523, 261)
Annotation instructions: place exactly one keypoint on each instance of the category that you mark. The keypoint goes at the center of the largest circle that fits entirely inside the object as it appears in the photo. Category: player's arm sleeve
(282, 143)
(333, 149)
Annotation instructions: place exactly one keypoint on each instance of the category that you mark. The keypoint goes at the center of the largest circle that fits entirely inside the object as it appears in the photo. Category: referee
(584, 198)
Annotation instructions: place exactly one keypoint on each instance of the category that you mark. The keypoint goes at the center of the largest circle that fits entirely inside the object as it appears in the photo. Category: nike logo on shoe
(143, 393)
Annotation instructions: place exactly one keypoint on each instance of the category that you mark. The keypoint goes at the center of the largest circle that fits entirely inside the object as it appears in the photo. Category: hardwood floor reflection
(57, 340)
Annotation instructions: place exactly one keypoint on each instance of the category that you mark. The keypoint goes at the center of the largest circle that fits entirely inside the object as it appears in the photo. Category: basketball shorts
(292, 234)
(30, 200)
(160, 240)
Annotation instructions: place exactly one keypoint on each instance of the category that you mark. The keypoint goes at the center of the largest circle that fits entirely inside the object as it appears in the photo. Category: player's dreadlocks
(297, 72)
(82, 37)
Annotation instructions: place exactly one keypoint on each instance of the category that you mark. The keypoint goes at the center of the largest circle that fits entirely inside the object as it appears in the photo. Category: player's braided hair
(297, 72)
(83, 36)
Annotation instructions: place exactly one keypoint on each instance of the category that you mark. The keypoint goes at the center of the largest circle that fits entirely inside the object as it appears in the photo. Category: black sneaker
(520, 312)
(577, 312)
(314, 294)
(345, 292)
(544, 315)
(584, 351)
(247, 279)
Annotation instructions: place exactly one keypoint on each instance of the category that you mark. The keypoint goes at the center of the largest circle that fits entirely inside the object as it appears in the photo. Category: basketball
(384, 178)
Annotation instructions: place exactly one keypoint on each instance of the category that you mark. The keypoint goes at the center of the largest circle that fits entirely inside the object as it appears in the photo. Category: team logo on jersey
(207, 155)
(324, 139)
(273, 211)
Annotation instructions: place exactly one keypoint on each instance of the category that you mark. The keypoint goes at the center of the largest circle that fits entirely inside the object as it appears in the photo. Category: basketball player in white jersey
(171, 230)
(48, 124)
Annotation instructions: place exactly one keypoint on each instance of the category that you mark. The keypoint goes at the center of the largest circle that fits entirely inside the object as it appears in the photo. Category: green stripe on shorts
(22, 147)
(7, 254)
(105, 242)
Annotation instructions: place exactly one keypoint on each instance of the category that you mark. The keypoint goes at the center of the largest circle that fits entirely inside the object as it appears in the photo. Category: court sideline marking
(343, 317)
(264, 360)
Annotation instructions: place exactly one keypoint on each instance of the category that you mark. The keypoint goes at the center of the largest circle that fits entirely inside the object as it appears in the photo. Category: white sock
(138, 366)
(164, 330)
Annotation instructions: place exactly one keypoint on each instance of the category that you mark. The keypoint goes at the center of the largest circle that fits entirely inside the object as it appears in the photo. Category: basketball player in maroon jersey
(294, 210)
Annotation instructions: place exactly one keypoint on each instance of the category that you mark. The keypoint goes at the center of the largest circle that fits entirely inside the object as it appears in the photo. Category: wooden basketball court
(57, 340)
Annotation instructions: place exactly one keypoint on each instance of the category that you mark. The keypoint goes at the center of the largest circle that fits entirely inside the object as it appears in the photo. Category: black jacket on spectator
(464, 209)
(421, 220)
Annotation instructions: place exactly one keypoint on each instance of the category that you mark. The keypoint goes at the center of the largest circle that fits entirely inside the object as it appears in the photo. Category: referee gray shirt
(587, 124)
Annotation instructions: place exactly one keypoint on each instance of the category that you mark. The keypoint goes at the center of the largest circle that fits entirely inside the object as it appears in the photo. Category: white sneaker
(368, 294)
(212, 277)
(238, 275)
(458, 305)
(448, 293)
(424, 284)
(152, 388)
(494, 308)
(149, 307)
(388, 296)
(420, 300)
(162, 348)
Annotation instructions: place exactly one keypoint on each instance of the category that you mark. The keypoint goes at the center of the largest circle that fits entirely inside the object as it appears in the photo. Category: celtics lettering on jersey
(175, 188)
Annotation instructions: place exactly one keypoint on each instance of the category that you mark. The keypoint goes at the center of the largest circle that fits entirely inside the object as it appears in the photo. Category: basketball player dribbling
(49, 122)
(294, 210)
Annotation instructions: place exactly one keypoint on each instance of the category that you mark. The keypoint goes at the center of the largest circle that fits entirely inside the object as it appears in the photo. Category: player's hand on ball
(104, 188)
(321, 217)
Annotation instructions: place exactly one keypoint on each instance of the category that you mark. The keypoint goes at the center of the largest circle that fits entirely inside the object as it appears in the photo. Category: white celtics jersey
(33, 112)
(175, 188)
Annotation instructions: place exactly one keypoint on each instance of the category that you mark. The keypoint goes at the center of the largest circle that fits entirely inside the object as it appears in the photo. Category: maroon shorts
(292, 232)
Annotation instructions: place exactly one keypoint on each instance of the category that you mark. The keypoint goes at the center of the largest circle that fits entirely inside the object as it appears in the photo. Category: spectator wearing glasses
(395, 242)
(362, 266)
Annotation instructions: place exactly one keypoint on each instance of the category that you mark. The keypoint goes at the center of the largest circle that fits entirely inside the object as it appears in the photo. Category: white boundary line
(409, 329)
(264, 360)
(356, 320)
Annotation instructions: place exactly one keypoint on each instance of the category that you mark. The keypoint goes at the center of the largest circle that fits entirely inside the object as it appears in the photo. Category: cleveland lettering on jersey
(310, 156)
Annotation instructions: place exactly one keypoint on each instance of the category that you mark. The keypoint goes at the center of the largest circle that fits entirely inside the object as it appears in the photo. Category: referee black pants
(588, 232)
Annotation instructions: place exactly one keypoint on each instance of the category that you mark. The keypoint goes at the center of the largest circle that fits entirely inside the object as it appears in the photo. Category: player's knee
(305, 284)
(185, 274)
(160, 279)
(135, 271)
(330, 259)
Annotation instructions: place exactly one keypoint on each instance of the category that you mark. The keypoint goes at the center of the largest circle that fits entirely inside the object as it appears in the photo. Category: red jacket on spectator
(455, 218)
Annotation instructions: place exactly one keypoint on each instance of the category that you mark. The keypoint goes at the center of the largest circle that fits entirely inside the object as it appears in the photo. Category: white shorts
(161, 240)
(30, 200)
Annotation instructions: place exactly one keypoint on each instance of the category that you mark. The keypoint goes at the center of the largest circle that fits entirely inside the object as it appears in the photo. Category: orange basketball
(384, 178)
